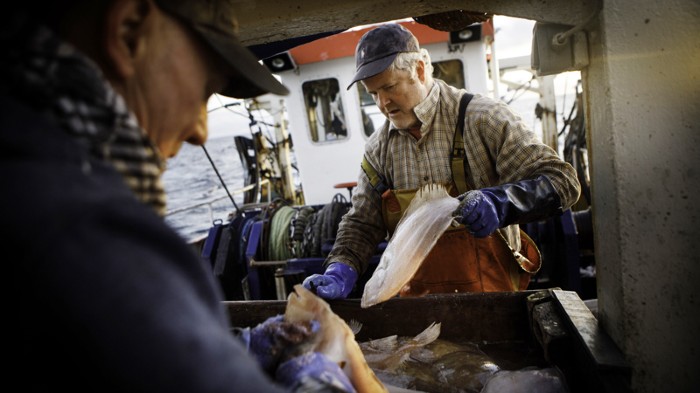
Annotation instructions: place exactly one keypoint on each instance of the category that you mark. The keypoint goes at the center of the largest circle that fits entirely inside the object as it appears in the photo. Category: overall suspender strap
(377, 181)
(458, 157)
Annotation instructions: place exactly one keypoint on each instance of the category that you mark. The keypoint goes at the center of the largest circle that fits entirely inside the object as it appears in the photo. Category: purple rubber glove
(485, 210)
(313, 372)
(477, 211)
(336, 283)
(276, 340)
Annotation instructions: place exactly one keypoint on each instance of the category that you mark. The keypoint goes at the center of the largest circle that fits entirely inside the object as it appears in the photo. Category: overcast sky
(513, 36)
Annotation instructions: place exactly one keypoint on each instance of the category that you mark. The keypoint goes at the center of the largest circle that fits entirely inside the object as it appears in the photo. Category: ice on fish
(427, 217)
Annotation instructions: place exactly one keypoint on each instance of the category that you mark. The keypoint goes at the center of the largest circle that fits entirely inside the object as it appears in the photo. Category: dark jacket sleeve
(105, 296)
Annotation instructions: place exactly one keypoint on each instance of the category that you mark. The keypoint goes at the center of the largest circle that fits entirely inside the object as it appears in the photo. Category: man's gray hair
(407, 61)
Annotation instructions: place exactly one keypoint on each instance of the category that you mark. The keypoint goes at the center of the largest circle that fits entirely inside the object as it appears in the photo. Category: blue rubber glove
(485, 210)
(477, 211)
(336, 283)
(313, 372)
(276, 340)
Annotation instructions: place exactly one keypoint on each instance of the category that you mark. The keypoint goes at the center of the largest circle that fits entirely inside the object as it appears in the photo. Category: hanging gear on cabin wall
(323, 226)
(297, 227)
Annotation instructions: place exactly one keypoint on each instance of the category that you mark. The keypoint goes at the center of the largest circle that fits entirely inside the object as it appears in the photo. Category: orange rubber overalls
(460, 262)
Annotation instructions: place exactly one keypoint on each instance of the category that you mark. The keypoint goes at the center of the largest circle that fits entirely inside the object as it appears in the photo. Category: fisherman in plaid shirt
(501, 172)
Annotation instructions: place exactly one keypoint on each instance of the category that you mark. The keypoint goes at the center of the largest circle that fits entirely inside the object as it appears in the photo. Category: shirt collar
(425, 110)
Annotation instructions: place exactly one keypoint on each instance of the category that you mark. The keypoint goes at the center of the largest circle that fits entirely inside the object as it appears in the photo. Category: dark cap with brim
(378, 48)
(215, 22)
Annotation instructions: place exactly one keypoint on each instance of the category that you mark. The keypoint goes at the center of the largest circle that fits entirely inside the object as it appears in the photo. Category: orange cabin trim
(343, 44)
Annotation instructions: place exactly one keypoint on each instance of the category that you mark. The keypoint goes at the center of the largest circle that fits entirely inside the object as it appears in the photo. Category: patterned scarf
(54, 78)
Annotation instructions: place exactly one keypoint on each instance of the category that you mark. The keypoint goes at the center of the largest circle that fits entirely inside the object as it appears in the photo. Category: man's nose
(201, 131)
(383, 100)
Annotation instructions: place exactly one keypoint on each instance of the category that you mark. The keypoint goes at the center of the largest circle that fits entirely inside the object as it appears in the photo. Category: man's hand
(313, 372)
(276, 340)
(485, 210)
(336, 283)
(478, 213)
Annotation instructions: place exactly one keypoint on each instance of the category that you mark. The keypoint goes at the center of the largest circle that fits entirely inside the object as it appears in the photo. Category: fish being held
(335, 338)
(427, 217)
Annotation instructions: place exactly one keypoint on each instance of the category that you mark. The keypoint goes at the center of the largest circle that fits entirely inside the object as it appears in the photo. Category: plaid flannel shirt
(500, 149)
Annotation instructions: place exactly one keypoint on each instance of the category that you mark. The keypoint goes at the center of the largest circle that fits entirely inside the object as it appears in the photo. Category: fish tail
(399, 356)
(355, 326)
(428, 335)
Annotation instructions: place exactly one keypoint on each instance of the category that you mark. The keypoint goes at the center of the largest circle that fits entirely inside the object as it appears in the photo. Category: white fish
(335, 339)
(388, 354)
(427, 217)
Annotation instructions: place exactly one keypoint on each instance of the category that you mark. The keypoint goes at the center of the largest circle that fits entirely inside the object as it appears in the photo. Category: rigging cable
(221, 179)
(252, 122)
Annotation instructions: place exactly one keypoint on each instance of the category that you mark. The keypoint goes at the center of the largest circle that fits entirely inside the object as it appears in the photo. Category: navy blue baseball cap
(378, 48)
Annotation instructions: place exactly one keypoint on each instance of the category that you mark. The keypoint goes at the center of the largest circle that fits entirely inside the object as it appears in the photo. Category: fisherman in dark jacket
(95, 95)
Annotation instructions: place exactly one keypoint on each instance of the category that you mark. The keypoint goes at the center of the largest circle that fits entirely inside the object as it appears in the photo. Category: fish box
(540, 328)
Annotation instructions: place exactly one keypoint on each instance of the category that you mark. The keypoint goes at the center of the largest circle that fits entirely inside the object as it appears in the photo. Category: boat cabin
(330, 124)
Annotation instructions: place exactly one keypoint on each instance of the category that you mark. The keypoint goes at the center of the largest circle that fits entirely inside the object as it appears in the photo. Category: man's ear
(420, 70)
(124, 34)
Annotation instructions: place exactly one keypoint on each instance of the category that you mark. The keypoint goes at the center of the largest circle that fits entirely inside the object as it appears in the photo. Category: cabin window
(324, 110)
(450, 71)
(372, 117)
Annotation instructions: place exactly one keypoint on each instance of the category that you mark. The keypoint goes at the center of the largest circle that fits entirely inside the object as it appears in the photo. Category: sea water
(195, 195)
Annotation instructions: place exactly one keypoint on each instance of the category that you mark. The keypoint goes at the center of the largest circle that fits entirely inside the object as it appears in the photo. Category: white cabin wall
(473, 56)
(323, 165)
